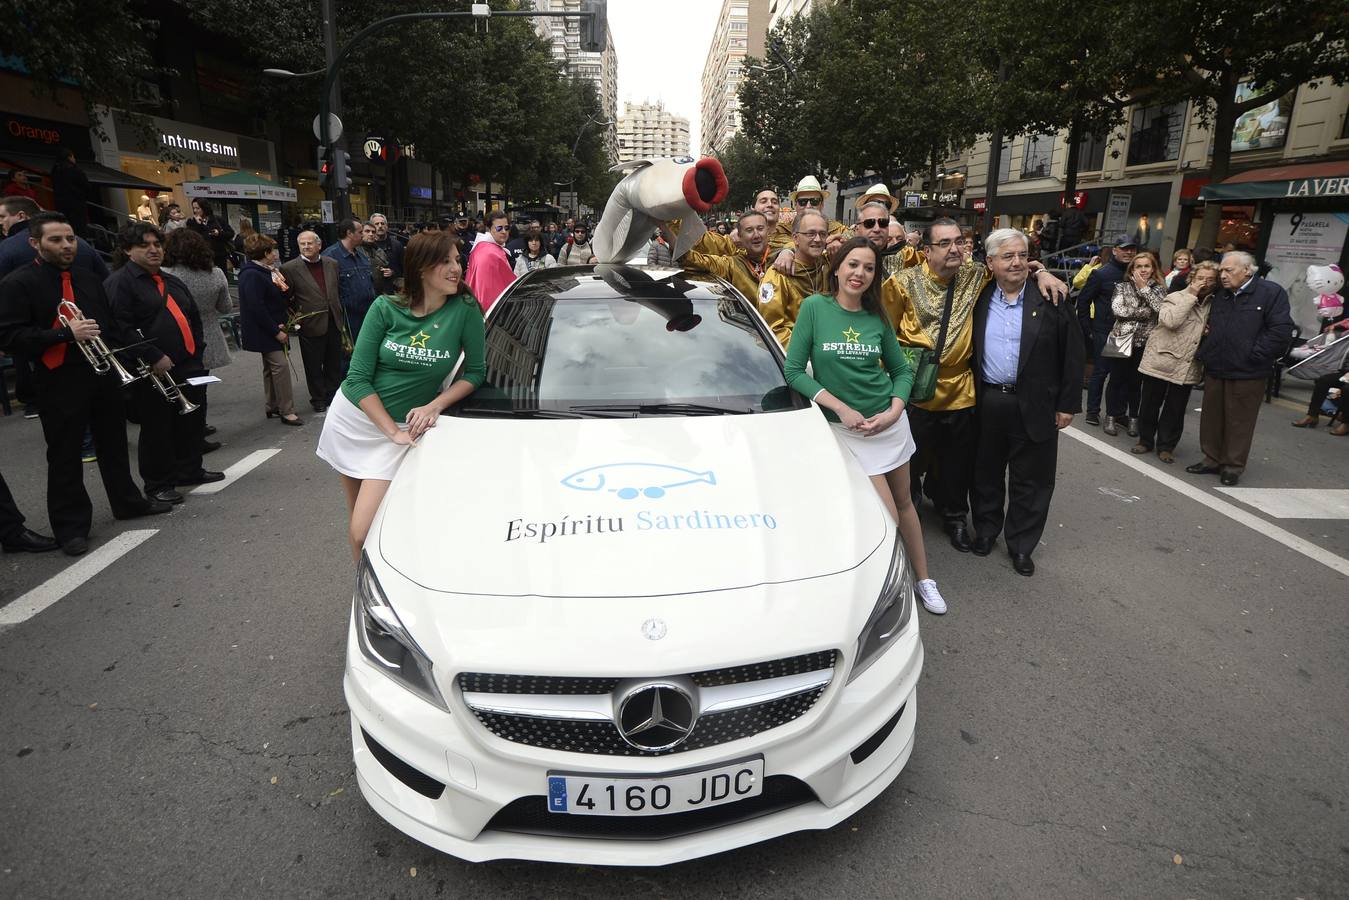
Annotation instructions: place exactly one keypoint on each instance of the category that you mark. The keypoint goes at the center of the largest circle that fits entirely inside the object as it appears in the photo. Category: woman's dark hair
(184, 247)
(257, 246)
(204, 206)
(871, 297)
(425, 251)
(534, 239)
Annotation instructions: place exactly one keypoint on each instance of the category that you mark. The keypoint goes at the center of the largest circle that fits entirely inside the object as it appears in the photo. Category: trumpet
(101, 357)
(165, 384)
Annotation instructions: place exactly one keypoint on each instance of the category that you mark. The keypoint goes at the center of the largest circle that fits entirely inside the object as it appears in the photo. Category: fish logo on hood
(632, 480)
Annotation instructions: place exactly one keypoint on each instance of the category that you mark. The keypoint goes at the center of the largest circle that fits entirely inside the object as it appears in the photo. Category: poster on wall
(1265, 127)
(1116, 215)
(1297, 240)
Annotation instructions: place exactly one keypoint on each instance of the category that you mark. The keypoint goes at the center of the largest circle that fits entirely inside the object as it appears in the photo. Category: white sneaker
(931, 597)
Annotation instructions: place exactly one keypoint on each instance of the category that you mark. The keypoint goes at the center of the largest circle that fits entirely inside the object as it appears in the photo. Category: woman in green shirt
(862, 379)
(409, 344)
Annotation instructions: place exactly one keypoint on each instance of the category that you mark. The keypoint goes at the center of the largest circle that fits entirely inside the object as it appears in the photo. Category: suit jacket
(307, 295)
(262, 309)
(1049, 369)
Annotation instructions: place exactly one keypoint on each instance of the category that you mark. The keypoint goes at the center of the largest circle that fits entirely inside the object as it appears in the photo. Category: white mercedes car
(630, 603)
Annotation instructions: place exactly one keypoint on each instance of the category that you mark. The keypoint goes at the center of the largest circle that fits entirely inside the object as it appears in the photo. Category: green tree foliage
(772, 93)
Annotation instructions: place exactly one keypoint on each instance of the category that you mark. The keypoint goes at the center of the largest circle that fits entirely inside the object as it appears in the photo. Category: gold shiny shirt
(780, 295)
(913, 300)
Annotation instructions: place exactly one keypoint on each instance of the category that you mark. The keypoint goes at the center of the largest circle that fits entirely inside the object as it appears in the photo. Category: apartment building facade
(599, 68)
(741, 27)
(649, 129)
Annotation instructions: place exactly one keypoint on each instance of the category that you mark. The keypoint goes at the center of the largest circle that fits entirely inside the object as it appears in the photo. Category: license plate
(654, 795)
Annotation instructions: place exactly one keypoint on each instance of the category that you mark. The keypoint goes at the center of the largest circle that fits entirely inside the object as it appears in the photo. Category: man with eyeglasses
(874, 222)
(1026, 361)
(944, 427)
(807, 196)
(781, 293)
(489, 270)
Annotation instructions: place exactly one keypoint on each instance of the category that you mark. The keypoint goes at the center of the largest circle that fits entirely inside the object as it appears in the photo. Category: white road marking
(62, 583)
(1199, 495)
(1294, 503)
(237, 471)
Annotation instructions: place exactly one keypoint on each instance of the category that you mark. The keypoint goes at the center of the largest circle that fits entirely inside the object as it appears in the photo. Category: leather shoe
(293, 420)
(29, 541)
(1201, 469)
(76, 546)
(1023, 564)
(1229, 478)
(1093, 418)
(210, 446)
(208, 430)
(151, 508)
(202, 477)
(318, 406)
(165, 495)
(982, 546)
(960, 536)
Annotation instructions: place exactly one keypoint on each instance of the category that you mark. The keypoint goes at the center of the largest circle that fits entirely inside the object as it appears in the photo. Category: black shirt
(139, 309)
(29, 298)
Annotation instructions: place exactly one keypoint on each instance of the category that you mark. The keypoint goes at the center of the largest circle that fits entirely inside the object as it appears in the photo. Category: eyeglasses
(808, 201)
(947, 244)
(813, 235)
(882, 222)
(1009, 257)
(501, 228)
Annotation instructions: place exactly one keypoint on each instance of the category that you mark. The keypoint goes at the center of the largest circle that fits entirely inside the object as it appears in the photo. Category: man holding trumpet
(157, 307)
(58, 316)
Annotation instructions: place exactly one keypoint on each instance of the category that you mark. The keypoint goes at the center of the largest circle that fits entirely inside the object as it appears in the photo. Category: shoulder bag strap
(946, 316)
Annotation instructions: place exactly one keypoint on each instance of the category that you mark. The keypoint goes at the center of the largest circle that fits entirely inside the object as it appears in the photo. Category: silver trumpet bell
(102, 358)
(166, 386)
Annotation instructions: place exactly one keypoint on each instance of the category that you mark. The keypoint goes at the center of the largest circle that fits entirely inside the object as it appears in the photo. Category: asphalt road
(1162, 711)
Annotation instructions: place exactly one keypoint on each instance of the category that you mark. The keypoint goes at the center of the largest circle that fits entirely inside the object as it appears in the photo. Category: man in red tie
(157, 307)
(72, 395)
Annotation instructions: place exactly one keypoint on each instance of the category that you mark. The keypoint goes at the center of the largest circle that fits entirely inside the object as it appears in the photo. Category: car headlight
(386, 643)
(893, 610)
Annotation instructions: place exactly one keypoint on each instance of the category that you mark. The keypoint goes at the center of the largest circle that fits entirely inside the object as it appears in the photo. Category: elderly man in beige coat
(1168, 368)
(324, 341)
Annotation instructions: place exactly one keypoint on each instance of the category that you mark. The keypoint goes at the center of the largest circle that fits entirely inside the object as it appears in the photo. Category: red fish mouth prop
(705, 185)
(654, 191)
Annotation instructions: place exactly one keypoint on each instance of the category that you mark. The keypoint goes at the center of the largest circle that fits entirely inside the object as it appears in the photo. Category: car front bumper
(836, 759)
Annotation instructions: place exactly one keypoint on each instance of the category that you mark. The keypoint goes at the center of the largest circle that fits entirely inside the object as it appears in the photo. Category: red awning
(1308, 180)
(1332, 169)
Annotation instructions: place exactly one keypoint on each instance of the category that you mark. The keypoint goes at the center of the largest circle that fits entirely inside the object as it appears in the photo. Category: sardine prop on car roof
(656, 190)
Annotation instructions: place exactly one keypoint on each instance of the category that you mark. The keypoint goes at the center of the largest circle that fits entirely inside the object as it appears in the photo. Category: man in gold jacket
(944, 428)
(781, 293)
(808, 195)
(743, 265)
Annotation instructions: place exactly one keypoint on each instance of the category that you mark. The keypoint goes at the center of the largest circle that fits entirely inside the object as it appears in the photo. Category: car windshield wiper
(525, 412)
(664, 409)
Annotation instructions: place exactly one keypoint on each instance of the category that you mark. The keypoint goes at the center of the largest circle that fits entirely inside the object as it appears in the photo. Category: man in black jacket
(1027, 365)
(159, 308)
(1249, 327)
(73, 396)
(1096, 317)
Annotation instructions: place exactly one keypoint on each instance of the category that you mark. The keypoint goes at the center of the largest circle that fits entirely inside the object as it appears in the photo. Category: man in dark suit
(1249, 327)
(313, 280)
(1027, 363)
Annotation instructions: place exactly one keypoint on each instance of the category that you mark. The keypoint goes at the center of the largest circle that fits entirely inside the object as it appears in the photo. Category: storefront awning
(99, 175)
(1310, 180)
(240, 186)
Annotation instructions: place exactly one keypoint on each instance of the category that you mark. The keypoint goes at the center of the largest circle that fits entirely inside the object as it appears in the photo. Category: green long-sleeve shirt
(405, 358)
(854, 355)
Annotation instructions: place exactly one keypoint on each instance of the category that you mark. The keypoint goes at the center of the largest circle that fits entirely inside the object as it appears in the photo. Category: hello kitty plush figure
(1327, 281)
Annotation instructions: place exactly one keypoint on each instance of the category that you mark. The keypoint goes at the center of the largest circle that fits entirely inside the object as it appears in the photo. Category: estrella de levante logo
(632, 480)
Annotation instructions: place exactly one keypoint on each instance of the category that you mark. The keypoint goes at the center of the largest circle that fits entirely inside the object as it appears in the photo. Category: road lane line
(237, 471)
(62, 583)
(1199, 495)
(1294, 503)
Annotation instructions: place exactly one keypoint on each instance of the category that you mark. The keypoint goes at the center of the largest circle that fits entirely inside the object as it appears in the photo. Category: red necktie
(178, 316)
(55, 355)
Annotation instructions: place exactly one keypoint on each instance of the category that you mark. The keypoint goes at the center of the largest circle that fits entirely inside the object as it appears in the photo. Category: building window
(1154, 134)
(1005, 163)
(1091, 153)
(1037, 156)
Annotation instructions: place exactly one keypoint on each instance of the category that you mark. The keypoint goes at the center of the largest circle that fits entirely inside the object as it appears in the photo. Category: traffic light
(594, 25)
(341, 168)
(322, 167)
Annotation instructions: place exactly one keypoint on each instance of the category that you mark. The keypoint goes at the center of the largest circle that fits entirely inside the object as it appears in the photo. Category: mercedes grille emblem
(653, 629)
(656, 717)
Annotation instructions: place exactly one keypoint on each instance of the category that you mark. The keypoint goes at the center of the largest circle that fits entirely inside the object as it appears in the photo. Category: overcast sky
(661, 50)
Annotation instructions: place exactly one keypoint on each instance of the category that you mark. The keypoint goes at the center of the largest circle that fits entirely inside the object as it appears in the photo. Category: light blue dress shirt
(1002, 337)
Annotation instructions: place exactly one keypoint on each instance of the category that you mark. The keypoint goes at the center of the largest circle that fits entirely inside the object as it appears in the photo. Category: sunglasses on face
(808, 201)
(501, 228)
(882, 222)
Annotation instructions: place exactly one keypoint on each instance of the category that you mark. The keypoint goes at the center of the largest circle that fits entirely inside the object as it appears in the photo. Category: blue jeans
(1100, 369)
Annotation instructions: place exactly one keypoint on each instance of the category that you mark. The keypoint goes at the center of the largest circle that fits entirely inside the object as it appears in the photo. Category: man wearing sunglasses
(489, 269)
(944, 427)
(808, 195)
(875, 210)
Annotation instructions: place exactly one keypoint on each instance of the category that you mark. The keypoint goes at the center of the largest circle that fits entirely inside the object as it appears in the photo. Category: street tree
(772, 92)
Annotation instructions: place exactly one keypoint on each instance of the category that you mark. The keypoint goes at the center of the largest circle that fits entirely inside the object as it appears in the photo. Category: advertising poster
(1264, 127)
(1297, 240)
(1117, 215)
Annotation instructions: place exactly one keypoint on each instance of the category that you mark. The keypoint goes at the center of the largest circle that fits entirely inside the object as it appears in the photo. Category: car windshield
(626, 344)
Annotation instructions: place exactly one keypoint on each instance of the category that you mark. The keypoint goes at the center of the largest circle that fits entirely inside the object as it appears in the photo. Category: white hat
(878, 193)
(809, 185)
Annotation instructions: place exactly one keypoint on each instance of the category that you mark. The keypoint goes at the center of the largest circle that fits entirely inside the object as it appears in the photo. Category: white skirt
(879, 453)
(352, 445)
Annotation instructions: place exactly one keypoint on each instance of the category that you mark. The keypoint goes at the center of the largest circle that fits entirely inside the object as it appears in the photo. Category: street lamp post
(576, 145)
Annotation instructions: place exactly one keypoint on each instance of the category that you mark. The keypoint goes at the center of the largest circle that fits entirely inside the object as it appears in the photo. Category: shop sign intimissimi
(154, 136)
